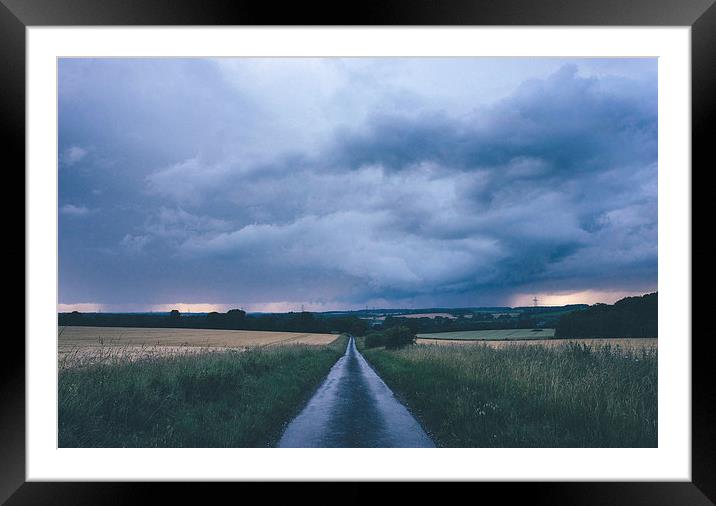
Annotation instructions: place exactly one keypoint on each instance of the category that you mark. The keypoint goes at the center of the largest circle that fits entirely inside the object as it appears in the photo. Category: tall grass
(219, 399)
(527, 396)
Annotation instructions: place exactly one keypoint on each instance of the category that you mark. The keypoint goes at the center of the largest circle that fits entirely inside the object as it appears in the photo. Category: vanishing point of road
(354, 408)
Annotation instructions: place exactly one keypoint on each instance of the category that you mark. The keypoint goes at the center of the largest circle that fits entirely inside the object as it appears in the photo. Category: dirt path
(354, 408)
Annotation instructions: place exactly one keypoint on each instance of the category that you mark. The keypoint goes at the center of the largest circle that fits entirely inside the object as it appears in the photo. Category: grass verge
(220, 399)
(527, 396)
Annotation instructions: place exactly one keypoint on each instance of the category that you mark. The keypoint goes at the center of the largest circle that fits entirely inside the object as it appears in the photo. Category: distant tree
(628, 317)
(305, 322)
(234, 319)
(215, 319)
(73, 318)
(413, 324)
(397, 337)
(358, 327)
(236, 314)
(389, 321)
(174, 314)
(350, 324)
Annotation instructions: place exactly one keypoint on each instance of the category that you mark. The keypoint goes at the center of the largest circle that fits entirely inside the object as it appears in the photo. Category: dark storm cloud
(570, 124)
(200, 181)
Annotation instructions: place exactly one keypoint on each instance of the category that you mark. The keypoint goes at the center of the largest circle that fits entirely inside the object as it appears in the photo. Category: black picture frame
(700, 15)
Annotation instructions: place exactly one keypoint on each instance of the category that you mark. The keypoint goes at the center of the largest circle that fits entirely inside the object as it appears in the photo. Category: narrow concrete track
(354, 408)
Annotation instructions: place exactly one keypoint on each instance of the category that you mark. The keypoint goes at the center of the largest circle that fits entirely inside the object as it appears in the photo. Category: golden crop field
(89, 344)
(624, 343)
(427, 315)
(509, 334)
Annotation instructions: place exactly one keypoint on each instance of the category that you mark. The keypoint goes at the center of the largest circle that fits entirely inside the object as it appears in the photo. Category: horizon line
(285, 308)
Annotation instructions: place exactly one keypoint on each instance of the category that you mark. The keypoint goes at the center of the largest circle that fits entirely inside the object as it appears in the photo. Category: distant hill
(628, 317)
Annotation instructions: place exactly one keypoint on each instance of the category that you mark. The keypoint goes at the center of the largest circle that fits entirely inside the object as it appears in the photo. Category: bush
(375, 340)
(392, 339)
(397, 337)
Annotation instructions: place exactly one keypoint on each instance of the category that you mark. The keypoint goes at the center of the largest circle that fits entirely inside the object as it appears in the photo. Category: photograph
(357, 252)
(404, 242)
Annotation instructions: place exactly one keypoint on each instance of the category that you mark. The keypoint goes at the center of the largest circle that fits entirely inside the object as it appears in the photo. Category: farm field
(82, 345)
(574, 395)
(624, 344)
(477, 335)
(229, 398)
(427, 315)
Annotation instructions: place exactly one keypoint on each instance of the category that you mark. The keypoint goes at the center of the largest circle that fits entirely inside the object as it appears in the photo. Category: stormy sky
(344, 183)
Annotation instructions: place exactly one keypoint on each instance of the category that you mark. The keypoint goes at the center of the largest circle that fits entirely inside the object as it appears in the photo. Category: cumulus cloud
(339, 192)
(189, 181)
(361, 245)
(564, 125)
(134, 244)
(73, 210)
(72, 155)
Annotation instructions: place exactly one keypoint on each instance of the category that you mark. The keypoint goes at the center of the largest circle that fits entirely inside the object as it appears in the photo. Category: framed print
(412, 244)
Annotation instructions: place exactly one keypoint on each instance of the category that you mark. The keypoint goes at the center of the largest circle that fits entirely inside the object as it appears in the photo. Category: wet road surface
(354, 408)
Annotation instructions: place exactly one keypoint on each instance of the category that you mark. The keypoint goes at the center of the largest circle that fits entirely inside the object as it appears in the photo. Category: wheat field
(82, 345)
(477, 335)
(623, 343)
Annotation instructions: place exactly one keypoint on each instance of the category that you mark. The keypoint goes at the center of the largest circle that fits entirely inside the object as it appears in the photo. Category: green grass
(220, 399)
(474, 335)
(527, 396)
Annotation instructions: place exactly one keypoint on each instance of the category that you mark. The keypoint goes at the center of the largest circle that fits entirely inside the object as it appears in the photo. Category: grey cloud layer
(353, 190)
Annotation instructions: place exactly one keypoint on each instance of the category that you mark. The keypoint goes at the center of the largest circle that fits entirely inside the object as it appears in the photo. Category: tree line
(234, 319)
(628, 317)
(481, 321)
